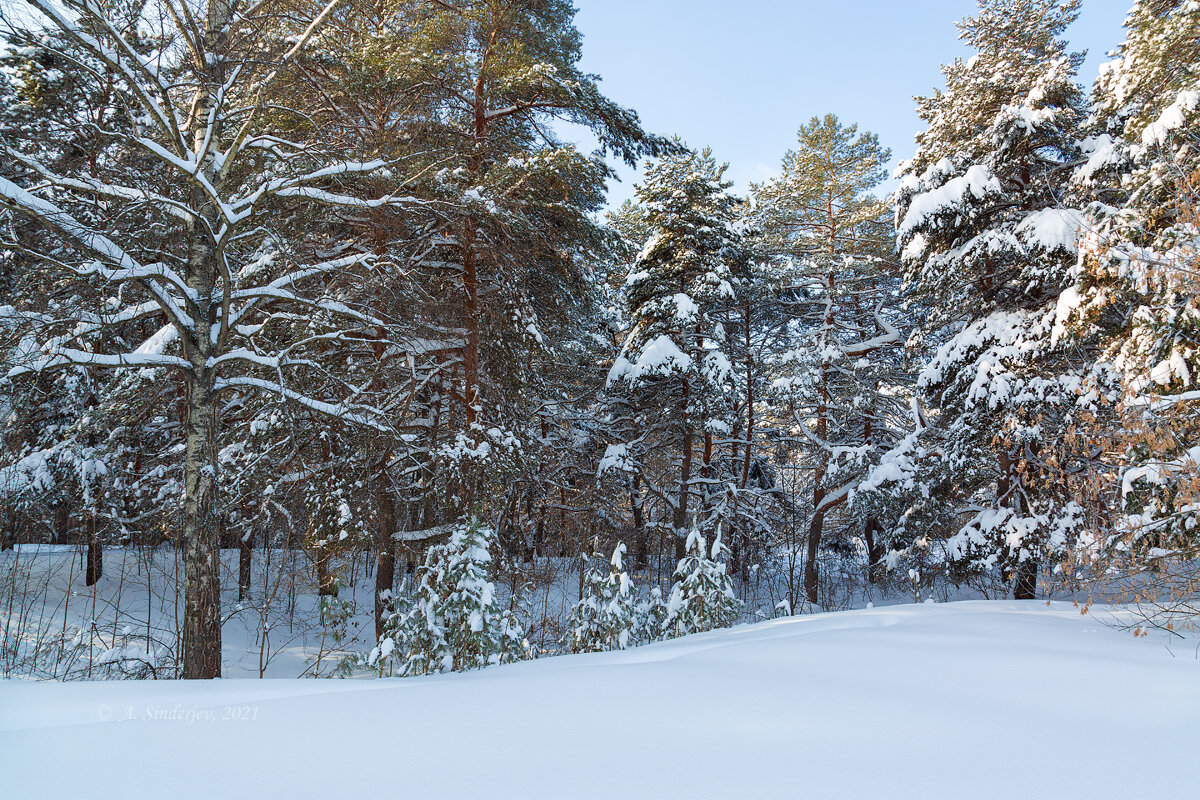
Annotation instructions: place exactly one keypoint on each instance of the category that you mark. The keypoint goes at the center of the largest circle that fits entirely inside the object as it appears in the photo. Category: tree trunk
(8, 529)
(245, 554)
(685, 489)
(471, 323)
(201, 539)
(641, 544)
(326, 581)
(817, 525)
(871, 528)
(385, 564)
(749, 404)
(1025, 584)
(95, 555)
(876, 569)
(62, 524)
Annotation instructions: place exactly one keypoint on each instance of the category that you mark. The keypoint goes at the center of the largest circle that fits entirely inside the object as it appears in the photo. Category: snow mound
(952, 700)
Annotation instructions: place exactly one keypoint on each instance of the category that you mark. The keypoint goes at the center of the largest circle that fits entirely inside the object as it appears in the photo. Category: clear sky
(741, 76)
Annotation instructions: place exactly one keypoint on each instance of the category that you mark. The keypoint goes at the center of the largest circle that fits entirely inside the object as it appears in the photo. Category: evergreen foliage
(454, 620)
(605, 618)
(703, 597)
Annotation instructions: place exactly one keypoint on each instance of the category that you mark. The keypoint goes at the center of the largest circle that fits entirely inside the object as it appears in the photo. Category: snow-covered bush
(702, 598)
(453, 621)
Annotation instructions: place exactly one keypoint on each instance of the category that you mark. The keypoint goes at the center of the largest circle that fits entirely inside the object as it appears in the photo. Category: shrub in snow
(605, 618)
(702, 598)
(452, 622)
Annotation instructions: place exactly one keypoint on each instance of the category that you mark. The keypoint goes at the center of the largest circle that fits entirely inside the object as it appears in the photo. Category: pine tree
(985, 243)
(1138, 293)
(673, 371)
(454, 621)
(820, 218)
(605, 617)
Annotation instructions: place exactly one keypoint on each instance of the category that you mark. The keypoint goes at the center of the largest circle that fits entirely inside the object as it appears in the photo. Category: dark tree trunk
(641, 543)
(811, 576)
(94, 569)
(816, 526)
(685, 488)
(1009, 485)
(326, 580)
(539, 531)
(1025, 584)
(62, 525)
(385, 559)
(876, 569)
(245, 554)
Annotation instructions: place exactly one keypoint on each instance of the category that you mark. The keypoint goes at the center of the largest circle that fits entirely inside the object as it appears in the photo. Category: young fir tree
(702, 598)
(673, 379)
(454, 621)
(840, 380)
(985, 244)
(605, 617)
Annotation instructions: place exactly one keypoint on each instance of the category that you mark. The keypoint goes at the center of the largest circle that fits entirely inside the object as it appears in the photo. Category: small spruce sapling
(702, 598)
(453, 621)
(605, 618)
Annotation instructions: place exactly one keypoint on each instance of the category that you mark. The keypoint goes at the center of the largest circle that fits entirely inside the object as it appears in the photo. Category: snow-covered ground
(960, 700)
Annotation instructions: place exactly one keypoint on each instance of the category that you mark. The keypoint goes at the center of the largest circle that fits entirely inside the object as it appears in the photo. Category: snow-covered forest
(323, 352)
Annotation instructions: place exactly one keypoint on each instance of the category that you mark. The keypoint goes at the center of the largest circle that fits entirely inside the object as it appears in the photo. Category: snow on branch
(347, 413)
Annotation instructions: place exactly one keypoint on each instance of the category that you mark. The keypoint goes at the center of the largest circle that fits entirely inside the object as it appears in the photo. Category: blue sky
(741, 76)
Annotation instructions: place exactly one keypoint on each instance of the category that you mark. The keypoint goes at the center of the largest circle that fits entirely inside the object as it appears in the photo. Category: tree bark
(817, 524)
(641, 543)
(245, 555)
(871, 527)
(685, 479)
(875, 555)
(385, 560)
(201, 539)
(1025, 584)
(94, 570)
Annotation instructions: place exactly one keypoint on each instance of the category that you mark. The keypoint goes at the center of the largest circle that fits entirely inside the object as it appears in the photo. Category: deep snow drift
(963, 700)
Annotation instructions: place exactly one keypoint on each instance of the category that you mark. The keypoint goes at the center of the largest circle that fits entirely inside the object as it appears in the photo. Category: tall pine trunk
(872, 530)
(385, 564)
(641, 542)
(95, 555)
(685, 480)
(816, 527)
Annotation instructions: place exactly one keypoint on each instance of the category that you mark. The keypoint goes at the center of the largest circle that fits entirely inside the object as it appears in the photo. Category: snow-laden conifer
(674, 372)
(454, 620)
(988, 250)
(605, 617)
(702, 597)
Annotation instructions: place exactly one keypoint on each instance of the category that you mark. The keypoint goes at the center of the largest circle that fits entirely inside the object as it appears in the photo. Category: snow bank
(975, 699)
